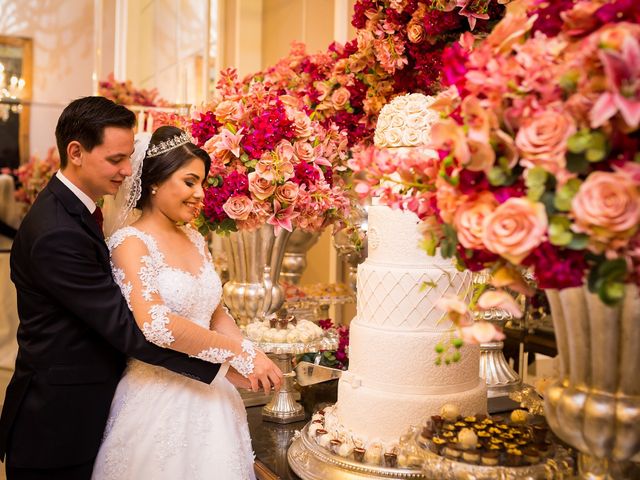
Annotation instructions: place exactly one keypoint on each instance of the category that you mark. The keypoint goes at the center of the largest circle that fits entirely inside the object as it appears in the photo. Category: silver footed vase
(254, 260)
(595, 404)
(294, 261)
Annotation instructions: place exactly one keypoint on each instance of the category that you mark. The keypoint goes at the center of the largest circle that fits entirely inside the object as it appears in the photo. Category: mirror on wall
(16, 79)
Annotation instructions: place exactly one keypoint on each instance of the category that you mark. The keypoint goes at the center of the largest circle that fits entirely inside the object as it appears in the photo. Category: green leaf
(429, 244)
(534, 193)
(576, 163)
(579, 241)
(611, 292)
(559, 233)
(579, 142)
(496, 176)
(636, 157)
(613, 269)
(536, 176)
(547, 201)
(565, 194)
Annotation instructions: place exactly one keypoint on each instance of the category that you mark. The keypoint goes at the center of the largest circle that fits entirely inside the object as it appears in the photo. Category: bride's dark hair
(156, 170)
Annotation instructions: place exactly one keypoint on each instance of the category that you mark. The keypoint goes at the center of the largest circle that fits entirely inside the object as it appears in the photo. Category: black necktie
(97, 215)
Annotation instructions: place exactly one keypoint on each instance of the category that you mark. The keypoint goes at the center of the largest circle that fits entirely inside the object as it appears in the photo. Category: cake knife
(309, 373)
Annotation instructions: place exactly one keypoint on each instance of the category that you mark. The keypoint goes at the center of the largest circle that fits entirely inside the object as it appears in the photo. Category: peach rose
(323, 88)
(469, 218)
(415, 32)
(265, 169)
(287, 193)
(302, 126)
(304, 151)
(226, 110)
(482, 156)
(340, 98)
(607, 207)
(260, 186)
(515, 228)
(238, 207)
(284, 150)
(542, 140)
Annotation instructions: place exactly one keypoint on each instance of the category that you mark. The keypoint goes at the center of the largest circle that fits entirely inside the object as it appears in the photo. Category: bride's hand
(265, 373)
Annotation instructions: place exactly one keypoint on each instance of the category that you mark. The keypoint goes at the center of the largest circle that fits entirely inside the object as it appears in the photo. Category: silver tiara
(174, 142)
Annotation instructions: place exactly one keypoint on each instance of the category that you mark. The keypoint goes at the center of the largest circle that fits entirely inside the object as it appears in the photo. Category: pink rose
(469, 219)
(607, 207)
(340, 98)
(287, 193)
(415, 32)
(302, 125)
(542, 140)
(260, 186)
(304, 151)
(515, 228)
(238, 207)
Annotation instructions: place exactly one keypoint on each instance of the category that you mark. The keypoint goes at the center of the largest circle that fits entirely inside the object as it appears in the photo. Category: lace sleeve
(136, 269)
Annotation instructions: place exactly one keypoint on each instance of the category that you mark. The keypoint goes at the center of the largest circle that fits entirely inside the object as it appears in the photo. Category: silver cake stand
(283, 407)
(312, 462)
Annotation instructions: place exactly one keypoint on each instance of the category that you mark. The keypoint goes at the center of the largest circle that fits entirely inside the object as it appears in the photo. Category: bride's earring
(154, 191)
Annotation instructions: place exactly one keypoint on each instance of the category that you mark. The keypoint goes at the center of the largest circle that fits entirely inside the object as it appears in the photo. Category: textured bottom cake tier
(372, 415)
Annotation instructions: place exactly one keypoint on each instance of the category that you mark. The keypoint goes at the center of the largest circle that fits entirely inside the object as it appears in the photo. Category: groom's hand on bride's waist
(236, 379)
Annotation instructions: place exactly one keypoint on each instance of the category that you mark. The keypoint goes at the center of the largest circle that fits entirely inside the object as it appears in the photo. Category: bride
(163, 425)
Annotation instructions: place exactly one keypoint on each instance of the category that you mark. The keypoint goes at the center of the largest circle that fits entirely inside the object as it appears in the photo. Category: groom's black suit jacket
(74, 336)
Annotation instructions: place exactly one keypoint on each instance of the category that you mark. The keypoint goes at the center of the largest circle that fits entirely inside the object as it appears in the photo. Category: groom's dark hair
(85, 119)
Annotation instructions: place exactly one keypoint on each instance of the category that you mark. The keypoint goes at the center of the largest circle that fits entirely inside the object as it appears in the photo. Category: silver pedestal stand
(500, 378)
(283, 407)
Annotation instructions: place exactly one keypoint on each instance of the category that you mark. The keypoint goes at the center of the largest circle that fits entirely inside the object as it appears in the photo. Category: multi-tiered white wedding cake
(393, 381)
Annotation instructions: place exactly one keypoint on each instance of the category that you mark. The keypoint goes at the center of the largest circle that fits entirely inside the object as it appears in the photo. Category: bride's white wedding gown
(163, 425)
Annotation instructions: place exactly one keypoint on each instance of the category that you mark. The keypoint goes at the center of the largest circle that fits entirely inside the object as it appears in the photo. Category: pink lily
(500, 300)
(623, 74)
(481, 332)
(282, 217)
(229, 141)
(472, 17)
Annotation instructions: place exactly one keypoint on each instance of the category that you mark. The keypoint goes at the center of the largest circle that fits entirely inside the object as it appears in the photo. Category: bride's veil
(119, 210)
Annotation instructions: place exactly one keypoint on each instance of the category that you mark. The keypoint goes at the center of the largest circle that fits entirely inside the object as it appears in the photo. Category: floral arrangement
(398, 48)
(538, 165)
(34, 175)
(271, 163)
(124, 93)
(339, 358)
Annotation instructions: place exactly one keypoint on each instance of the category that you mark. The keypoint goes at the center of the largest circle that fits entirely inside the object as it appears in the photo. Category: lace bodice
(192, 296)
(173, 307)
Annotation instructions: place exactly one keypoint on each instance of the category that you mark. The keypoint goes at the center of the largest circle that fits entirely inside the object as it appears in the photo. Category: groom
(75, 328)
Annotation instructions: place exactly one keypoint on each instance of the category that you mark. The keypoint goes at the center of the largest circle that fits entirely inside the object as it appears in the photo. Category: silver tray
(312, 462)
